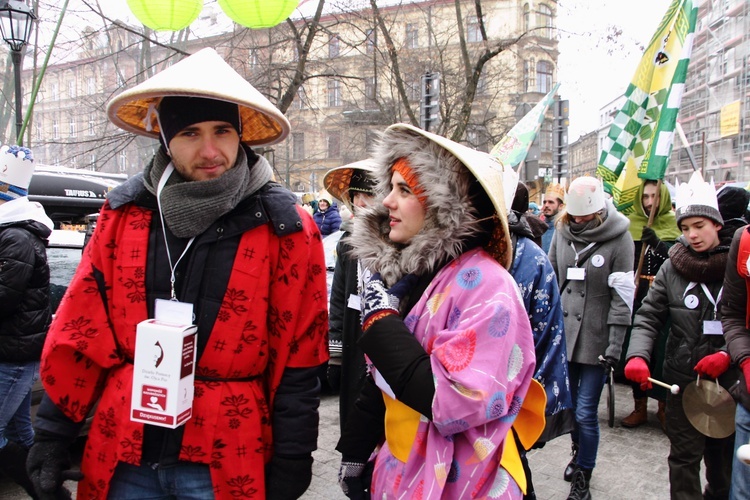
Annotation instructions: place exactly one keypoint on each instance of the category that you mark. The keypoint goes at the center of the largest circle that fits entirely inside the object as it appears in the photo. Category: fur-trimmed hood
(451, 219)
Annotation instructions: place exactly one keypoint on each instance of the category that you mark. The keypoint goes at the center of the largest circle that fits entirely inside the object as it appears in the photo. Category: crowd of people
(474, 327)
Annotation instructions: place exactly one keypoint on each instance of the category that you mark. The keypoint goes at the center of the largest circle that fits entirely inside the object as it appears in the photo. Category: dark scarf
(578, 228)
(703, 267)
(189, 208)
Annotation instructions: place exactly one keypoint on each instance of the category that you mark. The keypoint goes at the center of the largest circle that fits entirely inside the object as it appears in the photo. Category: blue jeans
(740, 471)
(586, 384)
(184, 481)
(16, 380)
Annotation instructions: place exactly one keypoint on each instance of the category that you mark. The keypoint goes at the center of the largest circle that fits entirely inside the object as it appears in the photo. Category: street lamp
(16, 21)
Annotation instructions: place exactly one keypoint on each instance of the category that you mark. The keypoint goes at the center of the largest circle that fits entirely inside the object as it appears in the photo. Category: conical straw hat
(203, 74)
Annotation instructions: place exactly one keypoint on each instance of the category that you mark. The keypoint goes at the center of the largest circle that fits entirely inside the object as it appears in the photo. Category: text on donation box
(163, 373)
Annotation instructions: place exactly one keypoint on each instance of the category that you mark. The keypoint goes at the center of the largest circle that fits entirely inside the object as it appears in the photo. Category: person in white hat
(202, 236)
(24, 307)
(684, 295)
(592, 255)
(448, 337)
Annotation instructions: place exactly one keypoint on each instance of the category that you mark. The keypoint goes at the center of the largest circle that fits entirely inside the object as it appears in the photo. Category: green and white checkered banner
(643, 129)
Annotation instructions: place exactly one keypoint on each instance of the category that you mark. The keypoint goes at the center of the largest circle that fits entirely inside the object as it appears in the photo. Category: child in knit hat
(686, 290)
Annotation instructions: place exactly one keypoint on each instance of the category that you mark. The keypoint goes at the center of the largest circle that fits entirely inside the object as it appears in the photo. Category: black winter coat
(733, 311)
(24, 290)
(344, 325)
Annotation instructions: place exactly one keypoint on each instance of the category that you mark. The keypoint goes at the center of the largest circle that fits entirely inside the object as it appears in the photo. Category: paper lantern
(166, 15)
(258, 13)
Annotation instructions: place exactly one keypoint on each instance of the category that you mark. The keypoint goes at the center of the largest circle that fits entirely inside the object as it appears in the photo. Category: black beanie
(178, 112)
(732, 202)
(521, 199)
(361, 181)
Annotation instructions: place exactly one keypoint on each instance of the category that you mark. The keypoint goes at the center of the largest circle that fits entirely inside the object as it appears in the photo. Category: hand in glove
(637, 370)
(355, 479)
(745, 365)
(288, 478)
(713, 365)
(608, 363)
(49, 466)
(379, 301)
(648, 236)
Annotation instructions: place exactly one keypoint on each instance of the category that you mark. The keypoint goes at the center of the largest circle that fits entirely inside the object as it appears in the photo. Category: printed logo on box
(154, 397)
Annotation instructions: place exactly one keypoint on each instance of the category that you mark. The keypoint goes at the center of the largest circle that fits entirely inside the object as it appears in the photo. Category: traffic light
(560, 138)
(429, 107)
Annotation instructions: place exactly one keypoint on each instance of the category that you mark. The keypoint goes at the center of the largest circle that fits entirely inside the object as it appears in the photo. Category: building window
(334, 93)
(333, 144)
(482, 84)
(544, 20)
(72, 132)
(414, 89)
(334, 46)
(92, 123)
(298, 146)
(412, 36)
(71, 89)
(91, 85)
(54, 92)
(473, 33)
(526, 17)
(120, 79)
(529, 81)
(371, 41)
(92, 162)
(299, 101)
(545, 137)
(544, 76)
(55, 129)
(370, 88)
(38, 130)
(122, 161)
(253, 59)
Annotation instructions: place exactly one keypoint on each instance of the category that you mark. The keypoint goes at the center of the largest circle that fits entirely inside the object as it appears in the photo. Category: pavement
(631, 464)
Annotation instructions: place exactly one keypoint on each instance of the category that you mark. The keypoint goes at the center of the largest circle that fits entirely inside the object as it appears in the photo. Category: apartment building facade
(357, 81)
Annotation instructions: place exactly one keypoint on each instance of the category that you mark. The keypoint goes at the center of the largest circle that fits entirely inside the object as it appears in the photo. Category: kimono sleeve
(81, 347)
(483, 357)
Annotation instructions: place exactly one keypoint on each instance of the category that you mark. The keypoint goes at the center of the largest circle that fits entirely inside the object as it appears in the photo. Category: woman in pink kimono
(450, 396)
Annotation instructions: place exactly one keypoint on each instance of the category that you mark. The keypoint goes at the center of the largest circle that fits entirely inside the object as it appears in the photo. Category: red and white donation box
(163, 373)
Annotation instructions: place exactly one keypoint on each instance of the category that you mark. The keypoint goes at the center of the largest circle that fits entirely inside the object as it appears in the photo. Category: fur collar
(450, 222)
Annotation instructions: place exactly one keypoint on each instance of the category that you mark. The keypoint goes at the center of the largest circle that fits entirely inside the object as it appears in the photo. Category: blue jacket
(547, 236)
(329, 221)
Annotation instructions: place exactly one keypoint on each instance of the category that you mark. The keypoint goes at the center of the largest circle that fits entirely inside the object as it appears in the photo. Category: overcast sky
(589, 74)
(591, 70)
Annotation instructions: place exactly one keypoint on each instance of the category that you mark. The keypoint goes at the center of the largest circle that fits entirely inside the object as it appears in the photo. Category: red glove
(745, 365)
(713, 365)
(637, 370)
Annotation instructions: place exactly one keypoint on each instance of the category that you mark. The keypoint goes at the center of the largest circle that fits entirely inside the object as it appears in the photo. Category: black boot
(579, 489)
(13, 465)
(568, 474)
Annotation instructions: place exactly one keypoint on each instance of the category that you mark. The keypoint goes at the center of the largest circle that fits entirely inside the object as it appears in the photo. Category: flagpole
(651, 215)
(683, 139)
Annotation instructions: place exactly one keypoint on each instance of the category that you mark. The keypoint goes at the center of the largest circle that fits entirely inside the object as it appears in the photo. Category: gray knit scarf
(189, 208)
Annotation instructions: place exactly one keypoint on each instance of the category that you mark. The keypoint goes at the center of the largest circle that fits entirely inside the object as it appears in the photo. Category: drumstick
(675, 389)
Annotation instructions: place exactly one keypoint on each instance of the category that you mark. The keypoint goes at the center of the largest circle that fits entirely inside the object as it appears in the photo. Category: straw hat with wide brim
(337, 180)
(498, 182)
(203, 74)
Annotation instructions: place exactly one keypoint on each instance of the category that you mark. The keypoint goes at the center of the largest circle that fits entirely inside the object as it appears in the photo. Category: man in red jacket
(203, 229)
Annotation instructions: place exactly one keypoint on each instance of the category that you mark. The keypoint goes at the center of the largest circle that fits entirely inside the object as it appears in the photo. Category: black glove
(377, 298)
(49, 466)
(608, 363)
(648, 236)
(288, 478)
(355, 479)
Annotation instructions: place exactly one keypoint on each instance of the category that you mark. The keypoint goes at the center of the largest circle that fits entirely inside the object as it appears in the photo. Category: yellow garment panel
(401, 423)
